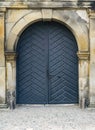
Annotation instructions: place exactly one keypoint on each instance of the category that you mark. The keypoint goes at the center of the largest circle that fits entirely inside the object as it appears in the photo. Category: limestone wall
(2, 60)
(16, 16)
(92, 57)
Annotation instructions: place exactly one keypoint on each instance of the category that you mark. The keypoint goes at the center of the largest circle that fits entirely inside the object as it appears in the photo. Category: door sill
(46, 105)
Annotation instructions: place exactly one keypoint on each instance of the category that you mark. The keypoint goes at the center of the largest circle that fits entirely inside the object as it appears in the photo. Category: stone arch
(65, 17)
(78, 27)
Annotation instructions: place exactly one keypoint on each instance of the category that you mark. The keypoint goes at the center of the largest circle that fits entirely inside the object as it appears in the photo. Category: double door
(47, 65)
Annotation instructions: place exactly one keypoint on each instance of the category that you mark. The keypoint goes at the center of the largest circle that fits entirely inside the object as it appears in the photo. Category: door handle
(59, 77)
(50, 76)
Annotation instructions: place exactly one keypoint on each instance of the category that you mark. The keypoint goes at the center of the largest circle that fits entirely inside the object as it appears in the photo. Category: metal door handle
(54, 75)
(59, 76)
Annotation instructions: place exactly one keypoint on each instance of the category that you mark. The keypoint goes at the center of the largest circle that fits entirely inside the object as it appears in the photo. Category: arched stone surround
(65, 17)
(78, 27)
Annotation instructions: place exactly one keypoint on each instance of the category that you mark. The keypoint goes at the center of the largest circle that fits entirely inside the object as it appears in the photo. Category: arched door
(47, 65)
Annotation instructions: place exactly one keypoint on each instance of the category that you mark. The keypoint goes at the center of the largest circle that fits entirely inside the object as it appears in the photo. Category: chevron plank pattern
(47, 65)
(63, 66)
(32, 67)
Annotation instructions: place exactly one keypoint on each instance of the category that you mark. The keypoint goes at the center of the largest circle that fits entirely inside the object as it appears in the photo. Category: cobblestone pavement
(47, 118)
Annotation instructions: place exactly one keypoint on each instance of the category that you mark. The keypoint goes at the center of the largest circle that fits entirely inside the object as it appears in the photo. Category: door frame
(83, 49)
(49, 91)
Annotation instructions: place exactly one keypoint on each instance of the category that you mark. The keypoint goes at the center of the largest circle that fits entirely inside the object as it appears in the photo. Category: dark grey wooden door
(47, 65)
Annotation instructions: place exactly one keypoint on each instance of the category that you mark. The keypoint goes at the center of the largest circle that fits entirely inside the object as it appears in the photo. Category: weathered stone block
(2, 85)
(83, 66)
(11, 76)
(47, 14)
(11, 39)
(21, 25)
(33, 16)
(92, 28)
(9, 28)
(92, 49)
(14, 15)
(92, 60)
(1, 25)
(83, 15)
(2, 57)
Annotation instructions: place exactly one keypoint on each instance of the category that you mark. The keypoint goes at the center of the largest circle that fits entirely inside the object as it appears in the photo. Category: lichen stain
(1, 30)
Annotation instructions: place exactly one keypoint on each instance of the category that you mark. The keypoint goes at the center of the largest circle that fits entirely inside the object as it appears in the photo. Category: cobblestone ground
(47, 118)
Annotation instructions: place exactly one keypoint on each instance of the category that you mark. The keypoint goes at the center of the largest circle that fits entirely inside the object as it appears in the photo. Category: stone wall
(2, 60)
(92, 57)
(78, 16)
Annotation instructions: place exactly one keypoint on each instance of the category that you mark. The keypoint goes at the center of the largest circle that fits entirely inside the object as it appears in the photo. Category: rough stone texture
(12, 16)
(47, 3)
(47, 118)
(11, 79)
(33, 16)
(83, 79)
(92, 59)
(47, 13)
(83, 14)
(2, 85)
(2, 58)
(2, 61)
(11, 73)
(10, 76)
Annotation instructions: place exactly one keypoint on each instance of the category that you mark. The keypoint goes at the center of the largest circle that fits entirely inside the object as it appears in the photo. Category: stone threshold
(47, 105)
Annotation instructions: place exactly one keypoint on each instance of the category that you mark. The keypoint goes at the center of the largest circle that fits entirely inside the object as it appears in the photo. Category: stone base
(3, 106)
(92, 106)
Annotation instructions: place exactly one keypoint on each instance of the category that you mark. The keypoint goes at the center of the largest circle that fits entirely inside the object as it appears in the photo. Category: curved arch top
(64, 17)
